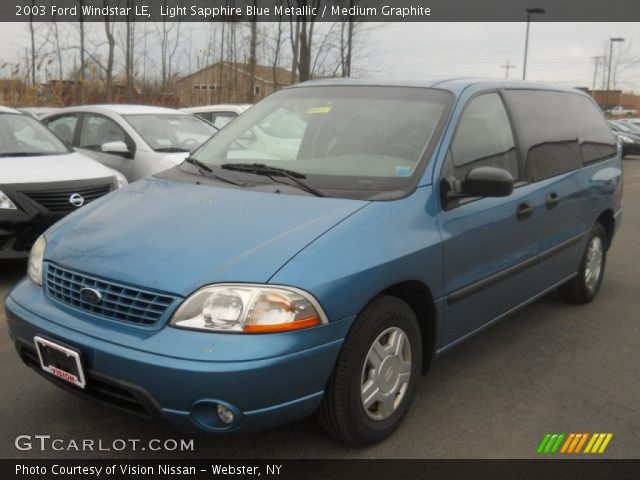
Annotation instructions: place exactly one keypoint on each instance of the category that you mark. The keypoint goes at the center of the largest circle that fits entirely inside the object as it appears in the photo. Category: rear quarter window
(596, 140)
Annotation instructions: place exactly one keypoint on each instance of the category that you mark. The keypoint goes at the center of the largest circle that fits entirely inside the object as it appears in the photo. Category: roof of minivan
(122, 109)
(454, 85)
(8, 110)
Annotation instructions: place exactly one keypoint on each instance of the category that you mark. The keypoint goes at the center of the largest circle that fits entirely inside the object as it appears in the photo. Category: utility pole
(530, 11)
(596, 61)
(508, 66)
(611, 42)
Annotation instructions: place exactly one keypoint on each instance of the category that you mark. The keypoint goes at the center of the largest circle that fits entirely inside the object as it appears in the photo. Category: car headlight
(624, 139)
(249, 309)
(120, 179)
(6, 203)
(34, 269)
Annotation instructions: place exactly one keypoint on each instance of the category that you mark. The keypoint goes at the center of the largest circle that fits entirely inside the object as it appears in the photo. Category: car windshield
(359, 141)
(22, 135)
(631, 127)
(171, 133)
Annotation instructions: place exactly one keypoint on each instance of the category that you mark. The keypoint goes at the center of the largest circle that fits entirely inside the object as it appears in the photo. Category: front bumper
(38, 207)
(630, 149)
(181, 376)
(19, 230)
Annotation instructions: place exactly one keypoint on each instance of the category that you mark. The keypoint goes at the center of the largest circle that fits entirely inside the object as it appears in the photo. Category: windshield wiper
(25, 154)
(269, 171)
(206, 171)
(171, 149)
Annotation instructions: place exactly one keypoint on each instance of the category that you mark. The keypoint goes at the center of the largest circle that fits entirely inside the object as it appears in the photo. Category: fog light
(225, 415)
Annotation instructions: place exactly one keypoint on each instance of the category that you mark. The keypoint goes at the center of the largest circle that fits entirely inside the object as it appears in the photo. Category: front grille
(119, 302)
(58, 200)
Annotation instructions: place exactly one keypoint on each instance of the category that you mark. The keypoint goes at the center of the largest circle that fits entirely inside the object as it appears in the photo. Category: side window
(63, 127)
(596, 140)
(547, 130)
(483, 138)
(220, 119)
(97, 130)
(205, 115)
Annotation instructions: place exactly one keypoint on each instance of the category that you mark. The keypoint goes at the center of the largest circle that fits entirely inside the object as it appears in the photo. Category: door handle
(552, 200)
(525, 210)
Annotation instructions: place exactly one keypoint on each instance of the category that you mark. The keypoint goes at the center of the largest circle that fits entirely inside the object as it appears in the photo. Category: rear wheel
(374, 380)
(585, 285)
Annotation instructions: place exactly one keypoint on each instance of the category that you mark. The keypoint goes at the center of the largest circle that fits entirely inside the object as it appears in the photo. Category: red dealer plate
(60, 361)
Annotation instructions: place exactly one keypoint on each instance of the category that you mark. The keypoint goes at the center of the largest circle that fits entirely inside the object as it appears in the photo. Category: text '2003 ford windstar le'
(242, 290)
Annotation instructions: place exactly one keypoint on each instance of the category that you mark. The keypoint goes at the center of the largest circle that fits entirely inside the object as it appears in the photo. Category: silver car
(136, 140)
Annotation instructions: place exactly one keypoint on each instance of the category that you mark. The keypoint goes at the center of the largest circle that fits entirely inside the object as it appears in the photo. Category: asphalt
(552, 367)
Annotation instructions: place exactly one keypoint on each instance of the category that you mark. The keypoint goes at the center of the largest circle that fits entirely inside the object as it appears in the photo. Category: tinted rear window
(558, 131)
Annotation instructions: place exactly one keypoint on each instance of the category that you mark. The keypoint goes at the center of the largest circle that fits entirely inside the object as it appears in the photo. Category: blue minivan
(244, 289)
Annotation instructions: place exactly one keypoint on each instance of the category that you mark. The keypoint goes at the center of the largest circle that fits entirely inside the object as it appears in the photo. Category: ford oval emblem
(76, 200)
(90, 295)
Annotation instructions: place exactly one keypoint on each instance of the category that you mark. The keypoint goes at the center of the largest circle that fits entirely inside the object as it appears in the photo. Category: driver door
(96, 130)
(490, 244)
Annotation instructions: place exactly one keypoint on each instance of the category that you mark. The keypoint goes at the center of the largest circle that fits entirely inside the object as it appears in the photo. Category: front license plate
(60, 361)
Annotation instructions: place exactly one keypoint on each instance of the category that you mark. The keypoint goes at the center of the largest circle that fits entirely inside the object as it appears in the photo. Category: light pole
(611, 42)
(530, 11)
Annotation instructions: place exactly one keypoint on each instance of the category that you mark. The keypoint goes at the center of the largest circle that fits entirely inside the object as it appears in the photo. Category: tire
(583, 288)
(386, 325)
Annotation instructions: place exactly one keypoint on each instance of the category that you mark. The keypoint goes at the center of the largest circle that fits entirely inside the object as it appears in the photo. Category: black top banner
(320, 10)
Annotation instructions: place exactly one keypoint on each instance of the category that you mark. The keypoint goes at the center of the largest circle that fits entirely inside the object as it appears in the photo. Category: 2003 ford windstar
(242, 290)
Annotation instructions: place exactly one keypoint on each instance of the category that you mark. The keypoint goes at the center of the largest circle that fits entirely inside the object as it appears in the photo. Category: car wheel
(585, 285)
(372, 386)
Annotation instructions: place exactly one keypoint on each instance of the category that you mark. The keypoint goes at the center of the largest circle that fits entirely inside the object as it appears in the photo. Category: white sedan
(136, 140)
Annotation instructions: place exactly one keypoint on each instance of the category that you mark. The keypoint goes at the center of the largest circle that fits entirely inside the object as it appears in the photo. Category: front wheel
(371, 389)
(585, 285)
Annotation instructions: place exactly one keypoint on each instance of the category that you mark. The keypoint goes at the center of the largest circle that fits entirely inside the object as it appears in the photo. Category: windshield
(629, 127)
(171, 133)
(347, 138)
(21, 135)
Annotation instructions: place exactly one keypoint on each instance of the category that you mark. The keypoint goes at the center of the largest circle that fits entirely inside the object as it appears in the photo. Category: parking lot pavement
(552, 367)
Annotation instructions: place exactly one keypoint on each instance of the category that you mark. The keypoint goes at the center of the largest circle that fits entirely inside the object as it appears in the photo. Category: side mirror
(487, 182)
(119, 148)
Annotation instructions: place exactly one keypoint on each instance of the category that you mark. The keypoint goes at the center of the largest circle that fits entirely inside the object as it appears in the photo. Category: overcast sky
(558, 52)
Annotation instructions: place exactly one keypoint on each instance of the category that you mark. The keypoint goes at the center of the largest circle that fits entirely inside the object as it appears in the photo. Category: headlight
(249, 309)
(6, 203)
(625, 139)
(34, 269)
(120, 179)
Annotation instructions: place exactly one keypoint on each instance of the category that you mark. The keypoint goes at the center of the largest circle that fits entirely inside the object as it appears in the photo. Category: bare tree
(129, 49)
(83, 62)
(109, 27)
(276, 54)
(169, 37)
(253, 44)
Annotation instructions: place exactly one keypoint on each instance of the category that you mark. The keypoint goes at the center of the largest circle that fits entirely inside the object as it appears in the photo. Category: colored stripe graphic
(573, 443)
(598, 442)
(550, 443)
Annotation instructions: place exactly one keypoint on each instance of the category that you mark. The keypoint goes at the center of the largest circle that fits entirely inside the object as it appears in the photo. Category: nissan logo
(76, 200)
(90, 295)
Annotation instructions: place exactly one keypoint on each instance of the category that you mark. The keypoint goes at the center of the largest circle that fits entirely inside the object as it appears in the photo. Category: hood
(176, 237)
(51, 168)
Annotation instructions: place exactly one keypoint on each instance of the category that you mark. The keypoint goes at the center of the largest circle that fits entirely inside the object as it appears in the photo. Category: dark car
(627, 135)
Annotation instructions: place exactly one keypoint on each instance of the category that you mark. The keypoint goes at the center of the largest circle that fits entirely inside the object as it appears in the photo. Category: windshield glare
(23, 135)
(346, 137)
(167, 132)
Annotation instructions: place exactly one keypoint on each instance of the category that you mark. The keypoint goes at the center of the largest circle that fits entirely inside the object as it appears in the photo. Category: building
(227, 82)
(612, 98)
